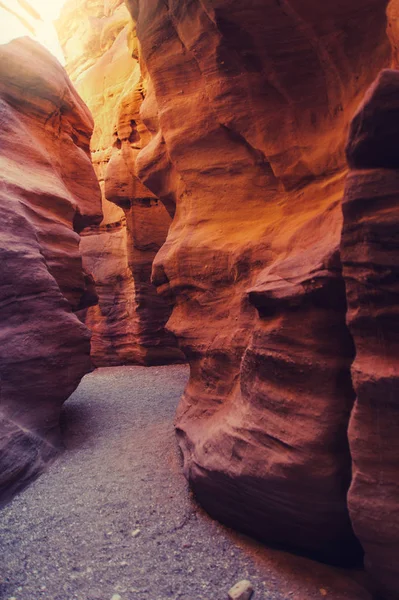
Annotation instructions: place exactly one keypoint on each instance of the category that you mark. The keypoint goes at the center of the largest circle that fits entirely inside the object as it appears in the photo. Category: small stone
(136, 532)
(242, 590)
(120, 588)
(116, 597)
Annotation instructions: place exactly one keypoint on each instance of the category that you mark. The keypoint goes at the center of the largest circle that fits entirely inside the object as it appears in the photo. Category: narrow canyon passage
(216, 182)
(113, 516)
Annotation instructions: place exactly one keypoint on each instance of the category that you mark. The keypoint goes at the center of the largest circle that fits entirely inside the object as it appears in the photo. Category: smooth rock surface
(48, 193)
(249, 106)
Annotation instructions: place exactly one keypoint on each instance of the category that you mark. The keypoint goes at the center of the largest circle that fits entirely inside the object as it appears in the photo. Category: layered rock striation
(48, 194)
(249, 106)
(102, 60)
(370, 251)
(253, 103)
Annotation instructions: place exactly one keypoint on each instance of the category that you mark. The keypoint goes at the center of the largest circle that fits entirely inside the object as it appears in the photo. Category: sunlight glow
(33, 18)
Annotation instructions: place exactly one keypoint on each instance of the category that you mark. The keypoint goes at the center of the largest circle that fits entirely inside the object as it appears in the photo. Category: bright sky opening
(33, 18)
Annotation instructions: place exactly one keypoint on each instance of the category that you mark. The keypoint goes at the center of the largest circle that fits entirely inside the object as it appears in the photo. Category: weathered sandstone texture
(48, 193)
(370, 253)
(128, 322)
(249, 107)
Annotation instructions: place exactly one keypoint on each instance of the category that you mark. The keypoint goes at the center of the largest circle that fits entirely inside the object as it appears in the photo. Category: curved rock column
(48, 193)
(249, 113)
(370, 254)
(102, 60)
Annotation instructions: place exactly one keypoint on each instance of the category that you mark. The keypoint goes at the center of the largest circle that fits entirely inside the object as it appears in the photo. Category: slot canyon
(199, 295)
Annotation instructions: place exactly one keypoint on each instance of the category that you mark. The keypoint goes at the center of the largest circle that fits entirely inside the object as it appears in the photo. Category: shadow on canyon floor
(75, 428)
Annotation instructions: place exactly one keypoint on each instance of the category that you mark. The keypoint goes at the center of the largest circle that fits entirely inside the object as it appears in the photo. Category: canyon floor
(113, 518)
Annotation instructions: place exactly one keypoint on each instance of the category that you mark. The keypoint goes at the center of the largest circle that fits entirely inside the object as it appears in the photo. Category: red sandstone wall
(48, 193)
(249, 110)
(370, 251)
(128, 322)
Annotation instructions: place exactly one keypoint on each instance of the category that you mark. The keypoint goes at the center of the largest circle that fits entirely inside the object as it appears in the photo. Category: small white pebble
(136, 532)
(242, 590)
(116, 597)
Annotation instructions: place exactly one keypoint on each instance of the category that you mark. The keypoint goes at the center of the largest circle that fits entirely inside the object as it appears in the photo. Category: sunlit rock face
(249, 115)
(19, 18)
(48, 193)
(370, 252)
(128, 323)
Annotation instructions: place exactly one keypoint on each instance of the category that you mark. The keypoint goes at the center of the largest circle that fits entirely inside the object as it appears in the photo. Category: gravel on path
(113, 519)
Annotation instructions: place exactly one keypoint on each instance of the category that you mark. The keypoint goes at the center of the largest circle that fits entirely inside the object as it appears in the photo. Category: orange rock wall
(249, 107)
(128, 323)
(48, 193)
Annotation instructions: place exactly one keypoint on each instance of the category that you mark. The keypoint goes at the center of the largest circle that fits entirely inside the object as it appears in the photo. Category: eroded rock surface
(370, 251)
(249, 112)
(48, 193)
(102, 59)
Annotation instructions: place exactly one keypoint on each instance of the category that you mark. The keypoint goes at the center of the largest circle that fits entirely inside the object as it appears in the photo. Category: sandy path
(73, 534)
